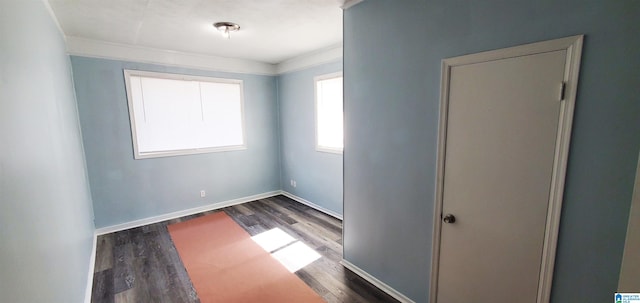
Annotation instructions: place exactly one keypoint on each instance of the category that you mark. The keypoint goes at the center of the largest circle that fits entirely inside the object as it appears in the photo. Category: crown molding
(319, 57)
(109, 50)
(346, 4)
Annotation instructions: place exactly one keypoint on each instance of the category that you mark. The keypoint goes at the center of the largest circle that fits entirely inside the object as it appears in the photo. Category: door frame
(573, 46)
(630, 267)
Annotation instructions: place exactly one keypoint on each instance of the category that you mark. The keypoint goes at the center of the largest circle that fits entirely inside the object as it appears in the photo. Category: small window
(175, 114)
(329, 120)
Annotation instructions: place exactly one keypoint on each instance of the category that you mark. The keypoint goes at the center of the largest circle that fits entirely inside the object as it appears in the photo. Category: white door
(503, 127)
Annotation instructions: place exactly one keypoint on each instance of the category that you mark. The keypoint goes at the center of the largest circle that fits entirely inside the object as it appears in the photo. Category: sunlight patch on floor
(296, 256)
(273, 239)
(291, 253)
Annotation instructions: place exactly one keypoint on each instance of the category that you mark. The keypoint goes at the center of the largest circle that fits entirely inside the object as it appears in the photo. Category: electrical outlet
(203, 194)
(294, 183)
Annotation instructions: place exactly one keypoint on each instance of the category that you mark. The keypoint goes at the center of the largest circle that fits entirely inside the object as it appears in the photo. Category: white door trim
(573, 46)
(629, 280)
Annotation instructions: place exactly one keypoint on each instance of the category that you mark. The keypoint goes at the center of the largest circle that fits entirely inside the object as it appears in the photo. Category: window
(175, 114)
(329, 121)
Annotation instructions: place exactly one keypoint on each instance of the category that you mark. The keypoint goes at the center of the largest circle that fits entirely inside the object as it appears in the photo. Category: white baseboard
(92, 265)
(384, 287)
(182, 213)
(312, 205)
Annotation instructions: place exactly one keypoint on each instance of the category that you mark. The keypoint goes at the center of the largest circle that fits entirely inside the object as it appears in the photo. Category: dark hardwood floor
(142, 264)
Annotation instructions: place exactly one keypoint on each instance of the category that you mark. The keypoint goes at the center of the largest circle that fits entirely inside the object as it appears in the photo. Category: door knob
(449, 218)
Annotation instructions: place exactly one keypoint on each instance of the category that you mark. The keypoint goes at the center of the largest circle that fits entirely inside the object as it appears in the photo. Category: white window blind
(329, 116)
(177, 114)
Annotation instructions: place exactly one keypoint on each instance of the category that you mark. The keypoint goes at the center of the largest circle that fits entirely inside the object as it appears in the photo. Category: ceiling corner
(326, 55)
(346, 4)
(54, 18)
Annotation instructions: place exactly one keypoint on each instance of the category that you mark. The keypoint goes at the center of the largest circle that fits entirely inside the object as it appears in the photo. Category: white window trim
(315, 110)
(136, 153)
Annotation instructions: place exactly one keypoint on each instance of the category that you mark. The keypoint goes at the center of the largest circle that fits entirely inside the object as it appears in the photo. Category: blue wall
(392, 61)
(46, 228)
(318, 175)
(125, 189)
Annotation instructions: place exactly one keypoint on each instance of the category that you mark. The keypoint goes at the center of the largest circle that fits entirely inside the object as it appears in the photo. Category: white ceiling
(272, 31)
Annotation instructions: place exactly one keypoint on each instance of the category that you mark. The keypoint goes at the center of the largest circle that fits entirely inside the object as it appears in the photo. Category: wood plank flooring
(142, 264)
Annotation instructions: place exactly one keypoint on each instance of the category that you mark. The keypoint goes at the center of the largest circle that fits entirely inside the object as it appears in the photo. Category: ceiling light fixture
(225, 28)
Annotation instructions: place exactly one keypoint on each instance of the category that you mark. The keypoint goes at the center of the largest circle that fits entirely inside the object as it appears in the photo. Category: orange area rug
(226, 265)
